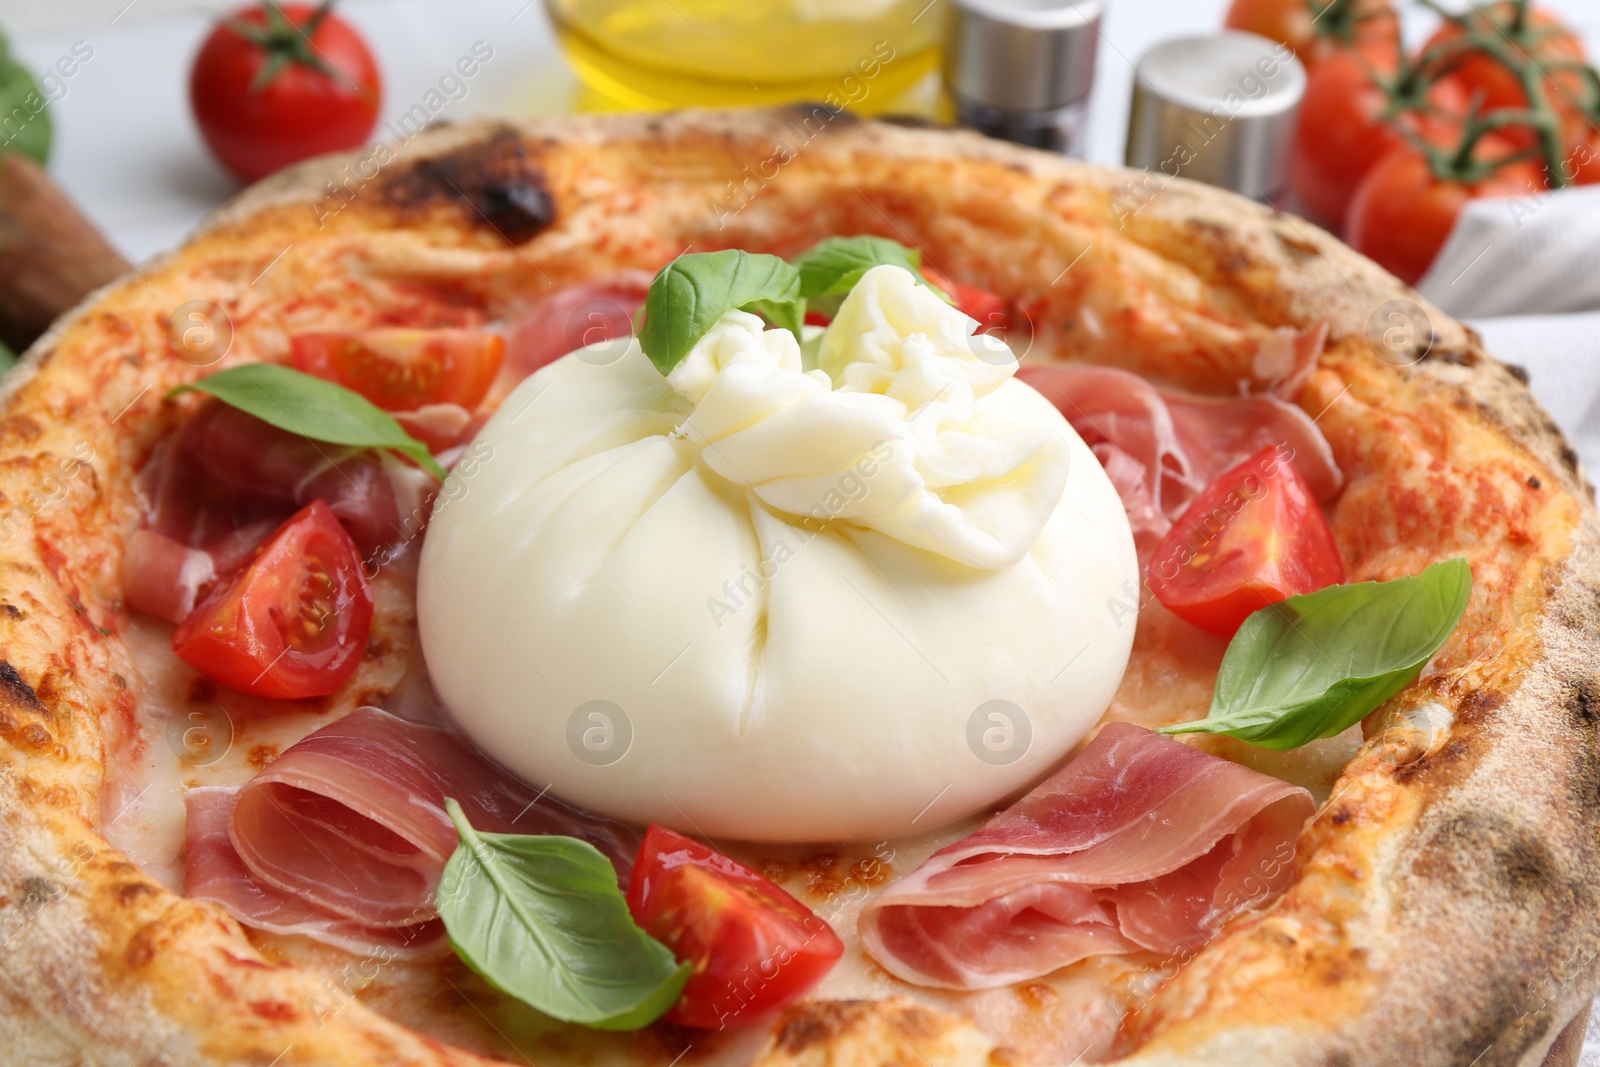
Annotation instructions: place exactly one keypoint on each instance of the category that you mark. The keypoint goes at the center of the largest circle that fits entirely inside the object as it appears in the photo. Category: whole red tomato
(1403, 210)
(1318, 29)
(1352, 115)
(1582, 163)
(1519, 31)
(281, 83)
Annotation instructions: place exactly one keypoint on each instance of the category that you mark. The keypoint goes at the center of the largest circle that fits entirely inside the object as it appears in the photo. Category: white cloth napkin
(1525, 272)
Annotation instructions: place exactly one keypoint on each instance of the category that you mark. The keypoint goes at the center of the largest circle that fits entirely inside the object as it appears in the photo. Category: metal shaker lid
(1022, 55)
(1220, 109)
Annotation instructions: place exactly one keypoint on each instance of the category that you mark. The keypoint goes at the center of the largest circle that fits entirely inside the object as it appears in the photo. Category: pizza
(967, 617)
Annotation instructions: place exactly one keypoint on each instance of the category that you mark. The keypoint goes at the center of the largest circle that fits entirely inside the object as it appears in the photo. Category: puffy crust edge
(1476, 924)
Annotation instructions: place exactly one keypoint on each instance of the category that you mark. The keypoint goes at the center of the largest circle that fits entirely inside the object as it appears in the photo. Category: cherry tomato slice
(402, 369)
(754, 947)
(1251, 538)
(292, 622)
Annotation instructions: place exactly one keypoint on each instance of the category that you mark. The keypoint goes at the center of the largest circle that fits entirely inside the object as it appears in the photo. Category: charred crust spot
(1438, 763)
(806, 109)
(1518, 371)
(1534, 482)
(19, 691)
(912, 122)
(1458, 357)
(1341, 816)
(1228, 256)
(1485, 855)
(493, 184)
(1476, 705)
(1569, 458)
(1298, 247)
(35, 737)
(1582, 701)
(374, 697)
(129, 893)
(818, 1023)
(11, 610)
(142, 947)
(37, 892)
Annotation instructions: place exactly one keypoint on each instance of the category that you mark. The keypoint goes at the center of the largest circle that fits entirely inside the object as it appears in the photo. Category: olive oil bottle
(660, 54)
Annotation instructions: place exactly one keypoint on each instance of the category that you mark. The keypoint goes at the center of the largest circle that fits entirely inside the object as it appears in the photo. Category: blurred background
(127, 149)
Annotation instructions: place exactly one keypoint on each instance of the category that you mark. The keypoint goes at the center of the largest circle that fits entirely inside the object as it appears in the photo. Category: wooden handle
(50, 255)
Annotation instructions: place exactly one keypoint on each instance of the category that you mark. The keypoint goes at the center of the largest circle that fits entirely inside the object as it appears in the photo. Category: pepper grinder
(1220, 109)
(1021, 70)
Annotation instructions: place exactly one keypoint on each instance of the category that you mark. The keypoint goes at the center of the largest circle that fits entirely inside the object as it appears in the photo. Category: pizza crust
(1446, 904)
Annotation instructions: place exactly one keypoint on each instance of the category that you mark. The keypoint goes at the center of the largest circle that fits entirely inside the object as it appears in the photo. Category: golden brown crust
(1446, 905)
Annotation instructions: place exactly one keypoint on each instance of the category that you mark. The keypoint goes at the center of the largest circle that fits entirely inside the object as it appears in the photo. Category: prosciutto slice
(1139, 843)
(1161, 448)
(213, 871)
(571, 318)
(346, 834)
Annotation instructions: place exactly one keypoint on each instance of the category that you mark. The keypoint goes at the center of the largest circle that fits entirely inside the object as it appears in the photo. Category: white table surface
(127, 150)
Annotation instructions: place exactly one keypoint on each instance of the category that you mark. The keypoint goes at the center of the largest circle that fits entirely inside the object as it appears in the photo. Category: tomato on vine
(1316, 30)
(1406, 206)
(1496, 51)
(280, 83)
(1357, 108)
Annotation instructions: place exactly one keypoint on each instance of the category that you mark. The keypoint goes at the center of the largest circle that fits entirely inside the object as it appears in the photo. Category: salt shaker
(1220, 109)
(1021, 70)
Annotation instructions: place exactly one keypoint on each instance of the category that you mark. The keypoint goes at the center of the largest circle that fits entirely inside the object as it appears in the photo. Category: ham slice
(1139, 843)
(213, 871)
(162, 577)
(216, 488)
(1161, 448)
(346, 834)
(257, 460)
(571, 318)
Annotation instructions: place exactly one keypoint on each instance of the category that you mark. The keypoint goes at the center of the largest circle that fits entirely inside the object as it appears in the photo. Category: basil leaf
(692, 292)
(1313, 666)
(27, 114)
(832, 266)
(311, 407)
(542, 919)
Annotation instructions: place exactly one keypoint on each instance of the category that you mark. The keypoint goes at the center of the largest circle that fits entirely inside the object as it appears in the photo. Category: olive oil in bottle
(660, 54)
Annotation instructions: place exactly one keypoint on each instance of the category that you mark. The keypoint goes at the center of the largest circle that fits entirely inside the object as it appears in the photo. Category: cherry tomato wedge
(754, 947)
(990, 310)
(1251, 538)
(292, 622)
(402, 369)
